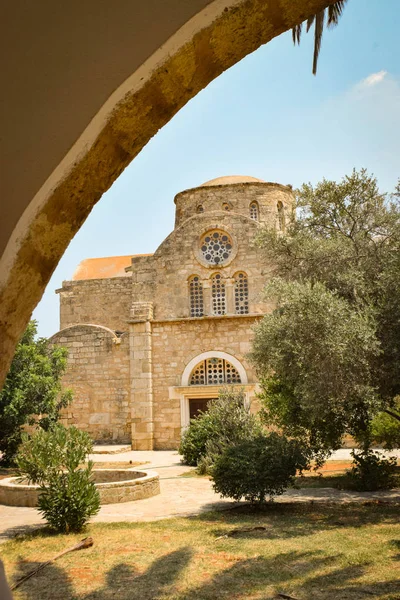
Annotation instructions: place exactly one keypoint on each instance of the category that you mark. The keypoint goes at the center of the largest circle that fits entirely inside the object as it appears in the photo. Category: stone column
(230, 296)
(141, 371)
(207, 303)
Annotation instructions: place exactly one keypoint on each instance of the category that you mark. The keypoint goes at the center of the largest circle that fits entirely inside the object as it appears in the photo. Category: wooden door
(198, 404)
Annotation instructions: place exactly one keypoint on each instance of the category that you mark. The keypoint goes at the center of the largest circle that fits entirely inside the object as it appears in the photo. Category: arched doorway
(202, 379)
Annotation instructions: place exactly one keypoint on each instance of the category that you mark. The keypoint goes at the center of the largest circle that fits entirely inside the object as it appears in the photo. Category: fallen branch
(234, 532)
(85, 543)
(285, 596)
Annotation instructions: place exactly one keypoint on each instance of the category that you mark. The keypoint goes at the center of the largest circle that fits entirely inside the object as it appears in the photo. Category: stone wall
(235, 198)
(163, 277)
(174, 345)
(98, 373)
(104, 301)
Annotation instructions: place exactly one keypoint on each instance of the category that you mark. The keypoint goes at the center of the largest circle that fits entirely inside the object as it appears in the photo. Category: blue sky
(268, 117)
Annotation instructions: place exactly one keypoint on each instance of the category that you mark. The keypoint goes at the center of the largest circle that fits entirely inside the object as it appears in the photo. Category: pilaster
(140, 338)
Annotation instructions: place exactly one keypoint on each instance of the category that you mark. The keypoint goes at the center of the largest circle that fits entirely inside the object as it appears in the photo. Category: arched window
(254, 211)
(200, 208)
(218, 295)
(281, 216)
(196, 296)
(214, 371)
(241, 294)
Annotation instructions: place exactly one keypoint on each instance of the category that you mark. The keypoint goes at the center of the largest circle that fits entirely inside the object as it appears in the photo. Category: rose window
(216, 247)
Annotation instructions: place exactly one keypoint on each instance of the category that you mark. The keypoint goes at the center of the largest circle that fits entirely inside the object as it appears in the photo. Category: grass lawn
(307, 551)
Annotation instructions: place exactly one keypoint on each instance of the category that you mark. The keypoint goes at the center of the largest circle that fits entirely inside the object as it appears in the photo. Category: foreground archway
(197, 46)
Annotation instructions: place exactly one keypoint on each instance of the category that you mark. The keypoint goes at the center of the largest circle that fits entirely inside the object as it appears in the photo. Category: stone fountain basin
(114, 486)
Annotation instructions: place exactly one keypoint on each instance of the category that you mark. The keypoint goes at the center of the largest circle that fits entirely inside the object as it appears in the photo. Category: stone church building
(153, 337)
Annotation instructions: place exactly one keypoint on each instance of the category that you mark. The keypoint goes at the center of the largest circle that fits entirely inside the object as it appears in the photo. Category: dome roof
(231, 179)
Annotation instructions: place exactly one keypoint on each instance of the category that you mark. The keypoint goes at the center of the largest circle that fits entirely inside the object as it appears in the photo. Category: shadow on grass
(290, 519)
(246, 577)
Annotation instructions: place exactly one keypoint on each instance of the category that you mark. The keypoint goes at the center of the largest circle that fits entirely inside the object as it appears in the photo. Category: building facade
(152, 338)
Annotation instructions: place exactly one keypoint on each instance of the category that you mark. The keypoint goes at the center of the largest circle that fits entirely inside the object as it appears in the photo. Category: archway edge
(213, 354)
(238, 27)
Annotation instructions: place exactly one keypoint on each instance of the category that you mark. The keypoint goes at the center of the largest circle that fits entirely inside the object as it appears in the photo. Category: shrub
(256, 468)
(68, 500)
(372, 472)
(68, 497)
(194, 439)
(227, 421)
(48, 452)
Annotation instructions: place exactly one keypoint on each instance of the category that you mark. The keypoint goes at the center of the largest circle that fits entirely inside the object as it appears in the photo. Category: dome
(232, 179)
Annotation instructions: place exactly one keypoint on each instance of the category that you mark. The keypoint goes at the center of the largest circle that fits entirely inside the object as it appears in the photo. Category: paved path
(179, 496)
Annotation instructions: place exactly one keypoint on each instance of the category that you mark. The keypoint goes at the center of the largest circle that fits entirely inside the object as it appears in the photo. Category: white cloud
(374, 78)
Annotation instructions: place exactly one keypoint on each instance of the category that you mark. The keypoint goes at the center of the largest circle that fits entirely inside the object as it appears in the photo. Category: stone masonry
(151, 337)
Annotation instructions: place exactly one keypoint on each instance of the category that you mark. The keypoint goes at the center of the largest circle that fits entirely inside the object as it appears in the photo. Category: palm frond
(318, 31)
(334, 12)
(296, 33)
(310, 21)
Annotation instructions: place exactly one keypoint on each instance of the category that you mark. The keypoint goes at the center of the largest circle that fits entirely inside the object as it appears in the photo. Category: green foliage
(227, 421)
(194, 439)
(263, 466)
(385, 430)
(315, 354)
(329, 355)
(372, 472)
(68, 496)
(68, 500)
(53, 451)
(32, 390)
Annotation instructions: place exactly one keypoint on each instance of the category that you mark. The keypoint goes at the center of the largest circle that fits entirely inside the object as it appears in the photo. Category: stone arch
(89, 326)
(213, 354)
(121, 123)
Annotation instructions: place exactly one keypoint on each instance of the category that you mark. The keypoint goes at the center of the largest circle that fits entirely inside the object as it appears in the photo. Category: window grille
(241, 294)
(218, 295)
(216, 247)
(254, 211)
(196, 297)
(214, 371)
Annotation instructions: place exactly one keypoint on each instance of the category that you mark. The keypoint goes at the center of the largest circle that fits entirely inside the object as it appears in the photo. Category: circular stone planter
(114, 486)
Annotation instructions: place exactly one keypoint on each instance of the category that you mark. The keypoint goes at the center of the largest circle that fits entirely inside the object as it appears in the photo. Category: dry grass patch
(311, 552)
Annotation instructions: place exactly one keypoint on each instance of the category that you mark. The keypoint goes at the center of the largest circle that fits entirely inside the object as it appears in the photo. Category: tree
(333, 13)
(314, 353)
(329, 354)
(32, 392)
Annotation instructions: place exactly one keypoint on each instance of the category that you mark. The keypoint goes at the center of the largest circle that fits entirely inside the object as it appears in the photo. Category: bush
(256, 468)
(68, 497)
(48, 452)
(194, 439)
(68, 500)
(371, 472)
(227, 421)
